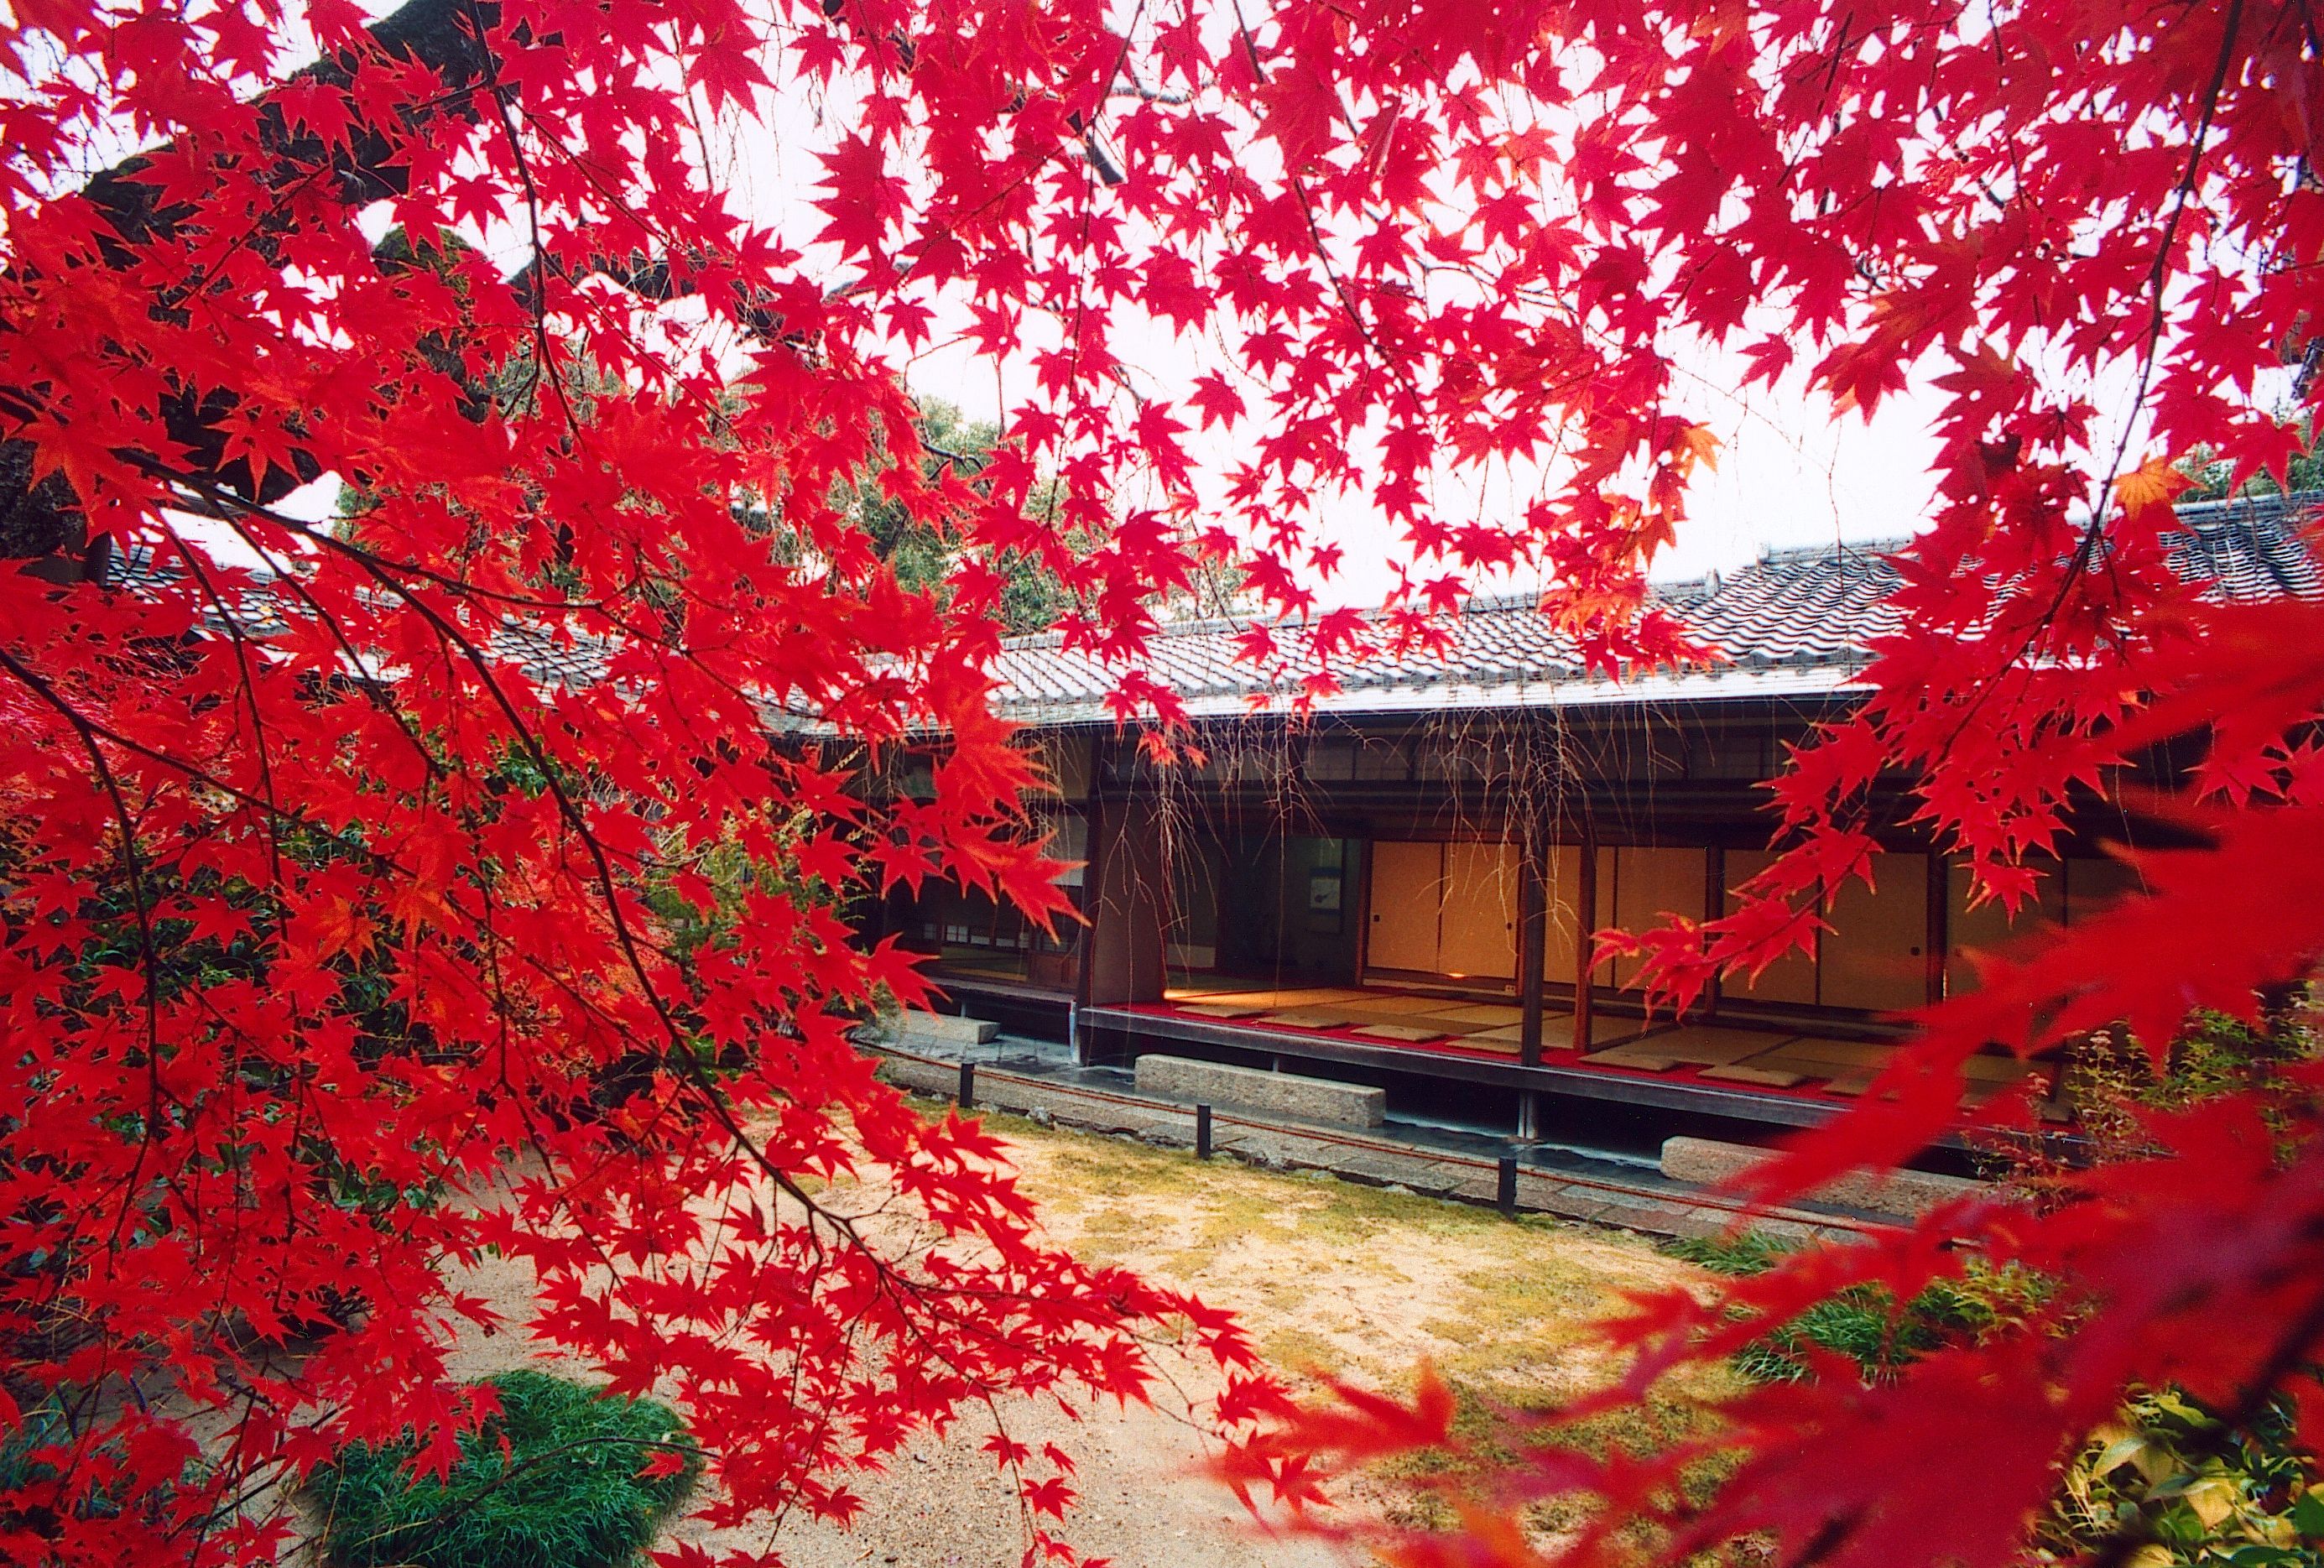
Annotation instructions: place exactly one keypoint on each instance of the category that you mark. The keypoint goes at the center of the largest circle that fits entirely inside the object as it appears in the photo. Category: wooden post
(1085, 939)
(1128, 904)
(1938, 936)
(1532, 939)
(1715, 906)
(1585, 918)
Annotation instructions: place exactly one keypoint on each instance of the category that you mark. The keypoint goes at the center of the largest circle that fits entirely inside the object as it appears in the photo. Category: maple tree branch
(40, 517)
(375, 566)
(544, 352)
(2157, 280)
(708, 1096)
(382, 864)
(1395, 367)
(2093, 535)
(246, 685)
(134, 865)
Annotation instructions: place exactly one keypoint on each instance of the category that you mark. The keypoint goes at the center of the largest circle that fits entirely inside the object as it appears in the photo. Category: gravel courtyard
(1332, 1279)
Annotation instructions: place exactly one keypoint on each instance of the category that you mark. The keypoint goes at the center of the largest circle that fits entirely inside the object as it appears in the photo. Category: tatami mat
(1313, 1018)
(1392, 1002)
(1640, 1058)
(1752, 1074)
(1557, 1033)
(1262, 998)
(1411, 1033)
(1424, 1020)
(1842, 1055)
(1406, 1017)
(1706, 1045)
(1757, 1058)
(1490, 1014)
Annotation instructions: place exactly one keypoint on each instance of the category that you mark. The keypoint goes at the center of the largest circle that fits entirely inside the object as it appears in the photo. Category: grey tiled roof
(249, 610)
(2252, 550)
(548, 657)
(1794, 622)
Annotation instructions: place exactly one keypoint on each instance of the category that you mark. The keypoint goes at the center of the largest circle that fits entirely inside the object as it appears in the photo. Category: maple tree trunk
(42, 520)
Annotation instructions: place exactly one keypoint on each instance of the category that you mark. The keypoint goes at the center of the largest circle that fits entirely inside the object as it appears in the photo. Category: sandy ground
(1332, 1281)
(1145, 1501)
(942, 1506)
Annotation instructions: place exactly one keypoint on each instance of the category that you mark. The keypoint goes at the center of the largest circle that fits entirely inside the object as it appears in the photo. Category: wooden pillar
(1129, 908)
(1585, 921)
(1715, 906)
(1533, 939)
(1085, 940)
(1121, 946)
(1938, 936)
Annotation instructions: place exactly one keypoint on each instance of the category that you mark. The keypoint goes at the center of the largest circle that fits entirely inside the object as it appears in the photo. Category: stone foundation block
(1249, 1089)
(1710, 1163)
(916, 1025)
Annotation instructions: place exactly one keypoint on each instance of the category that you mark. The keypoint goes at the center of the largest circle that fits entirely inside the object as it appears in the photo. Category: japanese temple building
(1399, 889)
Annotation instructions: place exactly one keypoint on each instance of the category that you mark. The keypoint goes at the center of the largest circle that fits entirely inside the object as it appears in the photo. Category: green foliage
(40, 1494)
(2212, 476)
(1752, 1252)
(1032, 597)
(731, 877)
(2169, 1478)
(2166, 1476)
(23, 1472)
(1865, 1323)
(2110, 1078)
(552, 1482)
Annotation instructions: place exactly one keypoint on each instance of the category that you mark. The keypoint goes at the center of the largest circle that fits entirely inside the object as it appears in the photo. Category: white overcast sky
(1789, 474)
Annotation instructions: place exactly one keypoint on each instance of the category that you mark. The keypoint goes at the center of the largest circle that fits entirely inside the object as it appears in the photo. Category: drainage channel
(1652, 1203)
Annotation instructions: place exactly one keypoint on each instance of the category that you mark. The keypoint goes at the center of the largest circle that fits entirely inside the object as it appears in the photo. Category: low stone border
(1291, 1094)
(915, 1028)
(1274, 1145)
(1711, 1163)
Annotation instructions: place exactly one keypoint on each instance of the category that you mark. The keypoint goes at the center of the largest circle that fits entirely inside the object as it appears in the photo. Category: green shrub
(2111, 1081)
(2192, 1495)
(2165, 1477)
(1752, 1252)
(1864, 1325)
(42, 1500)
(565, 1493)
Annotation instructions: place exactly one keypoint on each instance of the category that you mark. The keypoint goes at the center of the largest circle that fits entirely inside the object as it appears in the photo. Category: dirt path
(1331, 1280)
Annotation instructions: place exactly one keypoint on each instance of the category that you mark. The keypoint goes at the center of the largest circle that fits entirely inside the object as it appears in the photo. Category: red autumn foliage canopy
(344, 938)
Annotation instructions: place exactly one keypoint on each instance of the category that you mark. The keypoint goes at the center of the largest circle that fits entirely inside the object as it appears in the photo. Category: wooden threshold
(997, 985)
(1574, 1081)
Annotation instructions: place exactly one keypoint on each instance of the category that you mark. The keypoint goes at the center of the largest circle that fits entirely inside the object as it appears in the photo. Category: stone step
(1283, 1148)
(1251, 1089)
(936, 1026)
(1707, 1162)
